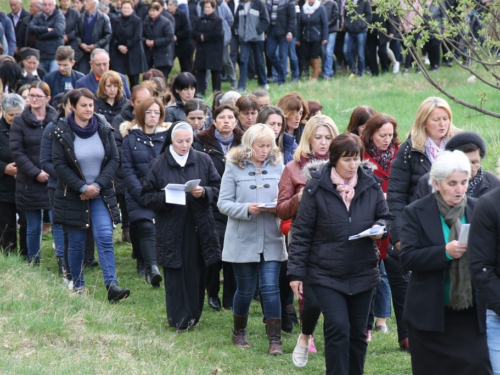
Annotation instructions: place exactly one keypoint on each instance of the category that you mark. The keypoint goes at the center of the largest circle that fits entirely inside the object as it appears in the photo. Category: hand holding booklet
(176, 193)
(373, 231)
(267, 205)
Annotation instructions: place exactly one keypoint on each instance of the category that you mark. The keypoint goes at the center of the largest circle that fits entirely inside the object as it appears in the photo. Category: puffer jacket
(353, 23)
(320, 252)
(69, 209)
(286, 21)
(289, 147)
(408, 166)
(251, 26)
(46, 154)
(25, 142)
(109, 112)
(170, 219)
(137, 152)
(48, 42)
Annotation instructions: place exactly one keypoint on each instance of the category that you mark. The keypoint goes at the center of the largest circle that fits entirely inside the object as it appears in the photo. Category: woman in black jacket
(216, 142)
(209, 37)
(110, 98)
(31, 181)
(186, 234)
(85, 159)
(126, 48)
(313, 33)
(445, 317)
(342, 199)
(143, 139)
(158, 36)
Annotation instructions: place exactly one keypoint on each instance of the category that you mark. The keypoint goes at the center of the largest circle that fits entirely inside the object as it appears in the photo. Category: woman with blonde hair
(253, 242)
(427, 138)
(296, 111)
(110, 96)
(313, 151)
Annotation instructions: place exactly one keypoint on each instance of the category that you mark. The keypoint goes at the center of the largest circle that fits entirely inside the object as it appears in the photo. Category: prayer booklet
(464, 234)
(373, 231)
(267, 205)
(176, 193)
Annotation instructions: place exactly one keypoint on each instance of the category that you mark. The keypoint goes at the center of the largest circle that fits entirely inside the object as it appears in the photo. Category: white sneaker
(427, 61)
(70, 285)
(395, 68)
(265, 87)
(300, 354)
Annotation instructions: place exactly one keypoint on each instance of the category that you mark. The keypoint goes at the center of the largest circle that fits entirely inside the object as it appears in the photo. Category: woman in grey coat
(253, 240)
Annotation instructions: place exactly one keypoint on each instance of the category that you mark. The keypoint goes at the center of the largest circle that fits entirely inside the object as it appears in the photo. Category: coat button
(484, 269)
(86, 225)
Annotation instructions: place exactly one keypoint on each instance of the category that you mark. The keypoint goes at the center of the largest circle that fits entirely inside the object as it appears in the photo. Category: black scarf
(86, 132)
(475, 182)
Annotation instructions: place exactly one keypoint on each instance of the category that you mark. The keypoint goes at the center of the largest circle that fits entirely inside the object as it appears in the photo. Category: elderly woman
(110, 98)
(358, 119)
(30, 64)
(341, 273)
(296, 111)
(312, 152)
(196, 114)
(12, 105)
(142, 142)
(31, 180)
(216, 141)
(85, 159)
(273, 117)
(253, 241)
(186, 235)
(248, 107)
(446, 319)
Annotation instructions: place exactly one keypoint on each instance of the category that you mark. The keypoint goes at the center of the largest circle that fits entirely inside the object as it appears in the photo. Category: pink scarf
(346, 190)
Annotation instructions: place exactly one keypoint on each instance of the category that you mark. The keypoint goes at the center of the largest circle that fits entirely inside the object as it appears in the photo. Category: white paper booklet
(373, 231)
(176, 193)
(267, 205)
(464, 234)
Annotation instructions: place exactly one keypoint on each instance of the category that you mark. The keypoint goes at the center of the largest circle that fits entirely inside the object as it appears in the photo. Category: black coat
(320, 252)
(72, 16)
(208, 51)
(7, 183)
(127, 33)
(353, 23)
(183, 45)
(109, 112)
(484, 249)
(206, 142)
(161, 31)
(286, 21)
(69, 209)
(423, 252)
(408, 166)
(48, 42)
(125, 115)
(25, 141)
(488, 183)
(101, 33)
(170, 218)
(20, 28)
(137, 152)
(385, 24)
(313, 27)
(141, 9)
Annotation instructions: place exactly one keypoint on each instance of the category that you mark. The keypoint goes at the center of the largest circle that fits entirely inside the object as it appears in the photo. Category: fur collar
(207, 137)
(311, 167)
(238, 156)
(127, 126)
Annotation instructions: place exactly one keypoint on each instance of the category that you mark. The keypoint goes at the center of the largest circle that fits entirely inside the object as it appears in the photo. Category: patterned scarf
(346, 189)
(432, 151)
(383, 158)
(475, 182)
(225, 144)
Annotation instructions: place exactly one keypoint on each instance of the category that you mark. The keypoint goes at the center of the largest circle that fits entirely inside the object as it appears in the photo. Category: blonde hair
(417, 131)
(314, 123)
(259, 132)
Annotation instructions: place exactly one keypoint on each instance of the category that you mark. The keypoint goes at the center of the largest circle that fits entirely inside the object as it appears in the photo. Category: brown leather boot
(240, 331)
(316, 69)
(273, 328)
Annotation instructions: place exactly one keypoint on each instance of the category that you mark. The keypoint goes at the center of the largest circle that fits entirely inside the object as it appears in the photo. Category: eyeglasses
(37, 97)
(156, 113)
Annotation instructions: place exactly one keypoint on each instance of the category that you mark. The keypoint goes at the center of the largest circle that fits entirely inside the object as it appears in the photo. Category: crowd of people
(272, 197)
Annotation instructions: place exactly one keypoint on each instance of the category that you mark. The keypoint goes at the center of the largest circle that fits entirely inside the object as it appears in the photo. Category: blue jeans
(493, 333)
(278, 60)
(382, 307)
(294, 60)
(246, 280)
(328, 55)
(34, 220)
(49, 65)
(359, 39)
(260, 66)
(102, 228)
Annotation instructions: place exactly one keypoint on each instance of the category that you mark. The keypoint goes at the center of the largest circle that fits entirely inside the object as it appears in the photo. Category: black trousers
(120, 198)
(186, 62)
(145, 232)
(310, 311)
(202, 82)
(344, 329)
(8, 232)
(133, 79)
(372, 50)
(409, 58)
(433, 47)
(398, 281)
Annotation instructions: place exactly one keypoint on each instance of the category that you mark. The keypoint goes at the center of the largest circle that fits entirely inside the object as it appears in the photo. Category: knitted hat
(28, 52)
(464, 138)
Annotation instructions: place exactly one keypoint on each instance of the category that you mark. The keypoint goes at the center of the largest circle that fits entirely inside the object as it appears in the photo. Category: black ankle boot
(116, 294)
(61, 266)
(153, 276)
(141, 267)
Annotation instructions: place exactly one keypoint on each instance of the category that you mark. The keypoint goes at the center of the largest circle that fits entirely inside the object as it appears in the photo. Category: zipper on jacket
(65, 189)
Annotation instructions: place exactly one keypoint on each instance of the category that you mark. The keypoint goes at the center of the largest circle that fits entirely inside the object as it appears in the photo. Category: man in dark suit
(16, 16)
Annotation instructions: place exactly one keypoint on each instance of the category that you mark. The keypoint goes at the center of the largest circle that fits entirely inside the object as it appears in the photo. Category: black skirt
(460, 349)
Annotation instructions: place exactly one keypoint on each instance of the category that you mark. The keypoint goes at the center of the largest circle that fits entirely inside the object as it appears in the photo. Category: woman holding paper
(253, 240)
(186, 234)
(143, 139)
(341, 199)
(445, 317)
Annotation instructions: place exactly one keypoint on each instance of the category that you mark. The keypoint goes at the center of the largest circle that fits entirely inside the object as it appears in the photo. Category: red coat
(384, 176)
